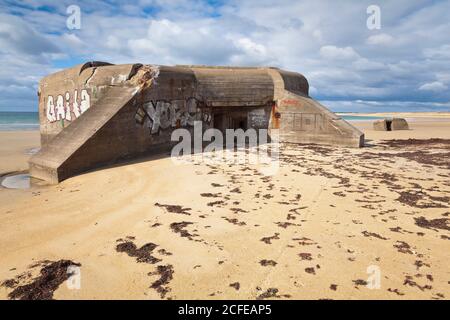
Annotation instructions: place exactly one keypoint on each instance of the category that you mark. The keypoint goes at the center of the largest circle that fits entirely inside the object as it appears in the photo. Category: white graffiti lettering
(85, 101)
(160, 115)
(64, 108)
(50, 109)
(75, 106)
(60, 112)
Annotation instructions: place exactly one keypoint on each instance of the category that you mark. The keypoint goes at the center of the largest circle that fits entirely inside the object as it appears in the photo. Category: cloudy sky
(404, 65)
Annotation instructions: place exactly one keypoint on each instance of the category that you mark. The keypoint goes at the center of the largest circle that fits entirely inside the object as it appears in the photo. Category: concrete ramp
(48, 163)
(304, 120)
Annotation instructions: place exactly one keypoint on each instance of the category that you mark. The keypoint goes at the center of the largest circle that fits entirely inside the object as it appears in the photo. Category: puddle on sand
(17, 181)
(32, 151)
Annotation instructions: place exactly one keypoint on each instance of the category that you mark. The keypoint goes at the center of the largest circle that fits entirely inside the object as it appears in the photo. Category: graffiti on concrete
(62, 108)
(301, 121)
(259, 118)
(290, 102)
(160, 115)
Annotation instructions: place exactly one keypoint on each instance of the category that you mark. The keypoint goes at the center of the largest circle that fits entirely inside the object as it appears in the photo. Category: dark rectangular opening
(230, 120)
(238, 122)
(389, 125)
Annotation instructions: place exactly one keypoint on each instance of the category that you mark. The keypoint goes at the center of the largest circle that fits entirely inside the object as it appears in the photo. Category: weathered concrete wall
(64, 96)
(133, 141)
(95, 114)
(301, 119)
(220, 87)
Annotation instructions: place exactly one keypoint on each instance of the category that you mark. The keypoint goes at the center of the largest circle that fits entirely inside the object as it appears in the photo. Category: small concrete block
(380, 125)
(399, 124)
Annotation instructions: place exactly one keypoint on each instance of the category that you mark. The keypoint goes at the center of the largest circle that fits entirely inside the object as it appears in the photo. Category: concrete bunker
(99, 113)
(391, 124)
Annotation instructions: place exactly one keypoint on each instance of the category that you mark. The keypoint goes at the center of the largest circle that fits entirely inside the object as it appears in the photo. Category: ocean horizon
(28, 120)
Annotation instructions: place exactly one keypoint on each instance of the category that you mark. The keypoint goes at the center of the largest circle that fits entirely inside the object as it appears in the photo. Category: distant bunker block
(390, 124)
(97, 113)
(399, 124)
(381, 125)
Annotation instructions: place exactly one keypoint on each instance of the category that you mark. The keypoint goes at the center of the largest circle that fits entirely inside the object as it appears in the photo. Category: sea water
(360, 118)
(11, 121)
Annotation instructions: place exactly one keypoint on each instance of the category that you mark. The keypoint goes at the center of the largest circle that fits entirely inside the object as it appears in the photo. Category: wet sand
(154, 230)
(14, 149)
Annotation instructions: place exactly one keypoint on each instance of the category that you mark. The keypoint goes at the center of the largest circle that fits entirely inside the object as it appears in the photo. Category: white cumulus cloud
(333, 52)
(380, 39)
(435, 86)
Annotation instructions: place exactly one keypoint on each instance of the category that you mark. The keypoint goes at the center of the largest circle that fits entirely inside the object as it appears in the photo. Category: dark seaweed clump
(42, 287)
(142, 254)
(165, 276)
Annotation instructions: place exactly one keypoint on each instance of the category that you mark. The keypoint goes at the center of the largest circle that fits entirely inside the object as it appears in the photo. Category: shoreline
(432, 115)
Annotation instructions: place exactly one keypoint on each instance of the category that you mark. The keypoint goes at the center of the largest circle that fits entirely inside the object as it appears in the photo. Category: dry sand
(308, 232)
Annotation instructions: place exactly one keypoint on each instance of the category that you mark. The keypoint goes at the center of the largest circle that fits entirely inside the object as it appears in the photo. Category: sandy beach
(328, 223)
(15, 149)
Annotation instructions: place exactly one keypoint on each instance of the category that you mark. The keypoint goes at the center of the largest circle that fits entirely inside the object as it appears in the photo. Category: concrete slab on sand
(390, 124)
